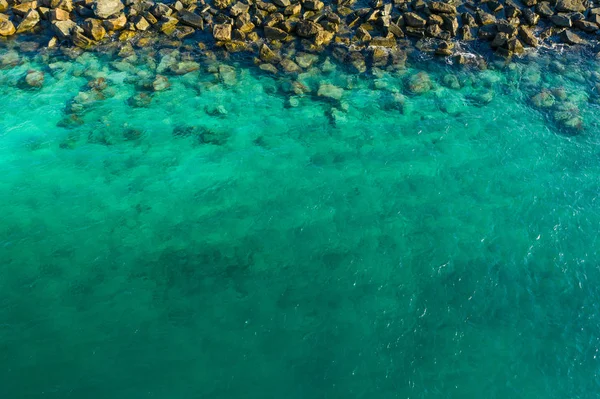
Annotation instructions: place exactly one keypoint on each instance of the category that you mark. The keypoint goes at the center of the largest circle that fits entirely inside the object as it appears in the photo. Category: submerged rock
(34, 79)
(330, 91)
(7, 28)
(419, 83)
(161, 83)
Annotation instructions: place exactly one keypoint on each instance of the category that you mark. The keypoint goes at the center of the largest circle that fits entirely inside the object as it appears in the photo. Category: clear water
(231, 240)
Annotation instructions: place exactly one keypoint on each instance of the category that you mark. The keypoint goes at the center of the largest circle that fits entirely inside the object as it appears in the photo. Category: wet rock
(160, 10)
(451, 81)
(357, 62)
(80, 40)
(419, 83)
(21, 9)
(379, 57)
(34, 79)
(570, 6)
(444, 49)
(7, 28)
(185, 67)
(3, 5)
(140, 100)
(140, 23)
(307, 28)
(272, 33)
(107, 8)
(528, 37)
(29, 21)
(94, 29)
(313, 5)
(63, 28)
(499, 40)
(330, 91)
(266, 54)
(222, 32)
(484, 18)
(228, 75)
(562, 20)
(238, 9)
(58, 14)
(269, 68)
(290, 66)
(414, 20)
(586, 26)
(570, 37)
(116, 23)
(437, 7)
(544, 99)
(305, 60)
(161, 83)
(323, 37)
(191, 19)
(530, 17)
(282, 3)
(66, 5)
(544, 9)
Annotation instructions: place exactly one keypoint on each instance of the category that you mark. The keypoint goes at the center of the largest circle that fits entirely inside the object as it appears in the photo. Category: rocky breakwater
(359, 35)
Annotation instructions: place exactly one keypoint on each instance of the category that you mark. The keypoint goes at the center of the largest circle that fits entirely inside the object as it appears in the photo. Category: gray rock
(562, 20)
(570, 6)
(272, 33)
(419, 83)
(63, 28)
(414, 20)
(191, 19)
(437, 7)
(570, 37)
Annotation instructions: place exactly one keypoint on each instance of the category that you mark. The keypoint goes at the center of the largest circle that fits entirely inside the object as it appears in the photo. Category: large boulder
(3, 5)
(29, 21)
(222, 32)
(7, 28)
(570, 6)
(94, 29)
(116, 23)
(107, 8)
(191, 19)
(63, 28)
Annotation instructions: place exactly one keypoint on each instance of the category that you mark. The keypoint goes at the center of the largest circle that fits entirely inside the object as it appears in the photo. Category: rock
(140, 100)
(191, 19)
(585, 26)
(379, 56)
(437, 7)
(290, 66)
(419, 83)
(222, 32)
(269, 68)
(305, 60)
(23, 8)
(414, 20)
(330, 91)
(323, 37)
(160, 83)
(561, 20)
(266, 54)
(293, 9)
(29, 21)
(544, 99)
(228, 75)
(528, 37)
(451, 81)
(357, 61)
(80, 40)
(59, 14)
(307, 28)
(514, 46)
(238, 9)
(94, 29)
(34, 79)
(107, 8)
(3, 5)
(570, 37)
(222, 4)
(570, 6)
(530, 17)
(141, 23)
(484, 18)
(444, 49)
(185, 67)
(66, 5)
(282, 3)
(499, 40)
(313, 5)
(160, 10)
(63, 28)
(115, 24)
(7, 28)
(168, 25)
(544, 9)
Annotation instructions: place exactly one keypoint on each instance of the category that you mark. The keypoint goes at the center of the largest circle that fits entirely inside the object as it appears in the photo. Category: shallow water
(233, 240)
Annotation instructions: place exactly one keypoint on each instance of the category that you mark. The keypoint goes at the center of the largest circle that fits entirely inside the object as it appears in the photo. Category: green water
(233, 240)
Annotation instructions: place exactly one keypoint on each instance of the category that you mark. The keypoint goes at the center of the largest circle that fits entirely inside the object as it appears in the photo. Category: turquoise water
(242, 236)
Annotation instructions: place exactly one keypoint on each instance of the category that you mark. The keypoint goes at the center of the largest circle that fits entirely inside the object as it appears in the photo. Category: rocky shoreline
(377, 33)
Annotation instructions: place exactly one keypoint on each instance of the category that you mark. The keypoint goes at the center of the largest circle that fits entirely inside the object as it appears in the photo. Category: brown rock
(570, 6)
(29, 21)
(314, 5)
(266, 54)
(141, 23)
(293, 9)
(80, 40)
(23, 8)
(222, 32)
(272, 33)
(160, 10)
(323, 37)
(414, 20)
(168, 25)
(7, 28)
(3, 5)
(58, 14)
(528, 37)
(63, 28)
(282, 3)
(395, 30)
(191, 19)
(306, 28)
(66, 5)
(388, 41)
(94, 29)
(117, 23)
(238, 9)
(107, 8)
(437, 7)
